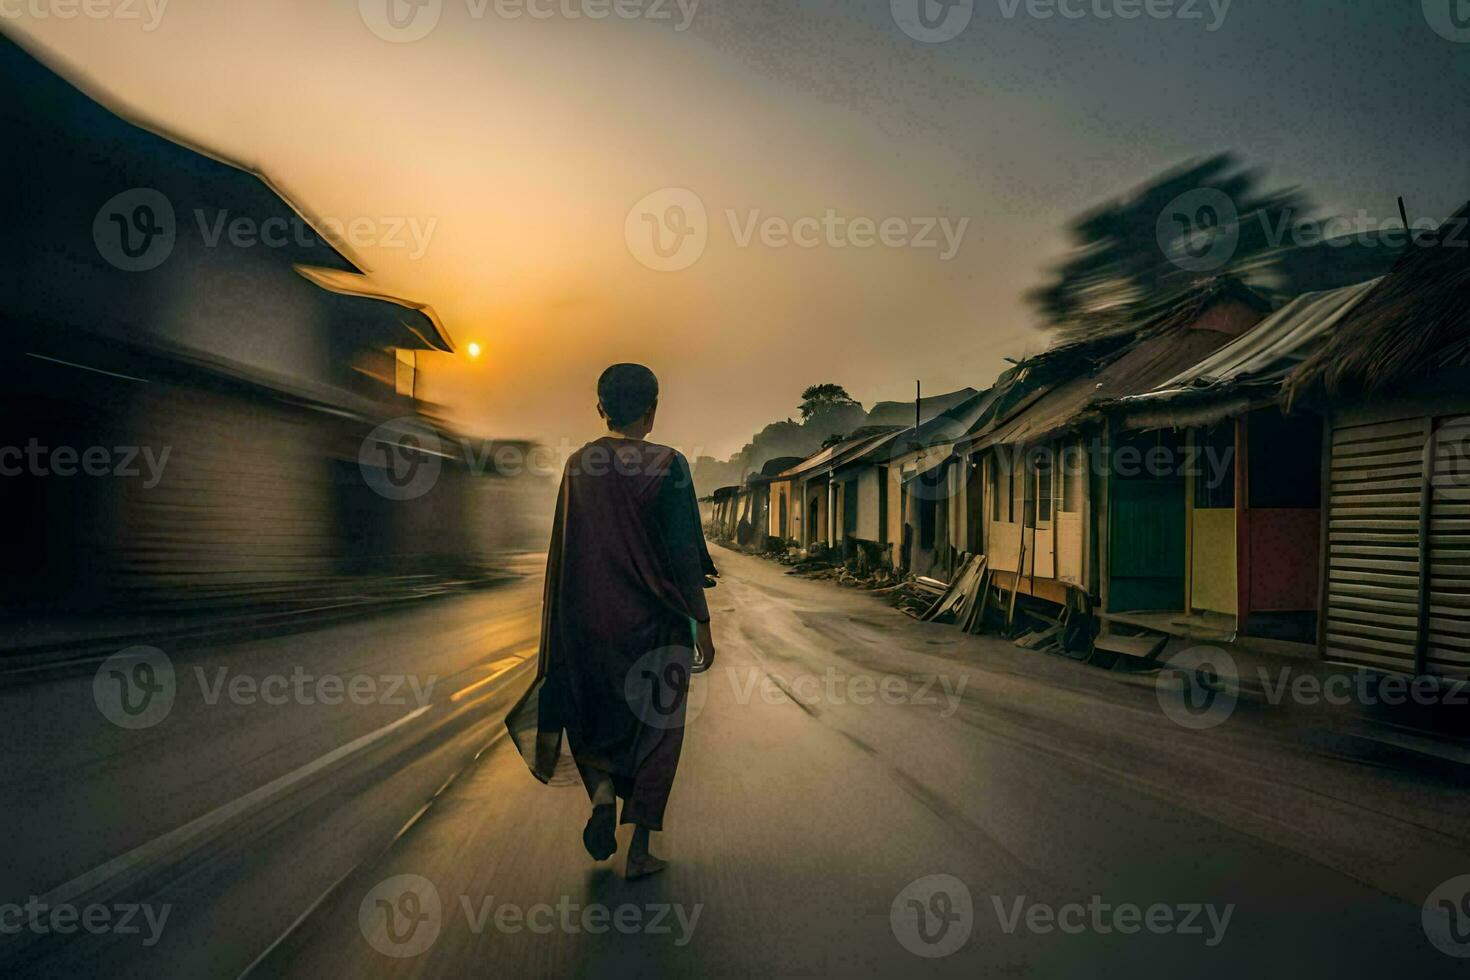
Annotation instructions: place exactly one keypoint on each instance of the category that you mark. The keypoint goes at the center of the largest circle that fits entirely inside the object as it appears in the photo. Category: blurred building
(197, 367)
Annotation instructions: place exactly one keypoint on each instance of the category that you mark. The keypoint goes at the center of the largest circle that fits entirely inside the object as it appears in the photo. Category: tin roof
(1180, 338)
(1270, 350)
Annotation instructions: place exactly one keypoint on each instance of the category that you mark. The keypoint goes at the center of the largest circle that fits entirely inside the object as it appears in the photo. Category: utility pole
(918, 400)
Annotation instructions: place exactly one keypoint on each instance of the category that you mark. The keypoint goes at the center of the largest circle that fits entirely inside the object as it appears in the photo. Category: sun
(473, 350)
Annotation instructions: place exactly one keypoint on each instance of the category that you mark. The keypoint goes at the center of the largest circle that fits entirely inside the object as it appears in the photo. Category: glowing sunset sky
(519, 146)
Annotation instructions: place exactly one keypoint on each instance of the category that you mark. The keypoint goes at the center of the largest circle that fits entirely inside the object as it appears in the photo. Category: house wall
(1055, 549)
(869, 481)
(1284, 549)
(1004, 545)
(959, 520)
(897, 511)
(256, 499)
(1070, 549)
(1212, 560)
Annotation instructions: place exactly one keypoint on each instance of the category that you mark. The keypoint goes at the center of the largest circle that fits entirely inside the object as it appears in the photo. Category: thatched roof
(1415, 321)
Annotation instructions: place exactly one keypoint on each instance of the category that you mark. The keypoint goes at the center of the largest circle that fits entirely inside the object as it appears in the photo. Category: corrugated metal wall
(1373, 543)
(1448, 628)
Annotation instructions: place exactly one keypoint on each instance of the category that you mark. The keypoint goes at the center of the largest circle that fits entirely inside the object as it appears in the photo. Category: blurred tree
(1136, 254)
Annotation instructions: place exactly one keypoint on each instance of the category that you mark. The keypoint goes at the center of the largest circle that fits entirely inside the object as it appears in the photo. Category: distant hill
(902, 413)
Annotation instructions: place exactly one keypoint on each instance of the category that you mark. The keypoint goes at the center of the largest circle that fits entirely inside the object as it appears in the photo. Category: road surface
(860, 795)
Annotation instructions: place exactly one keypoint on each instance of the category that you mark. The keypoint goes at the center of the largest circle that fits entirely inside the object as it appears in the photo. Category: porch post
(1242, 527)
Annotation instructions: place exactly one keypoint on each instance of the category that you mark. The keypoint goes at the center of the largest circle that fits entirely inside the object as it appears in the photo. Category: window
(1214, 466)
(1028, 491)
(1003, 506)
(1043, 465)
(927, 520)
(1074, 469)
(1287, 455)
(993, 465)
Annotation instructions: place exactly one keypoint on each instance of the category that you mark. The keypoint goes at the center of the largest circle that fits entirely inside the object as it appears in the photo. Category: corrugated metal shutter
(245, 510)
(1373, 543)
(1449, 547)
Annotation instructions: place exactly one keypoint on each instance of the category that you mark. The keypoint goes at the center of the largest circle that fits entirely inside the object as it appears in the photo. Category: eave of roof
(431, 330)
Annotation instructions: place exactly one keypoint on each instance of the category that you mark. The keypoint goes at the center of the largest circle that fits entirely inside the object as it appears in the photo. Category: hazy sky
(520, 149)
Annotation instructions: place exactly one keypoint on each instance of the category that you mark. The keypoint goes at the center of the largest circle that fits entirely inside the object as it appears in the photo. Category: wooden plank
(1350, 565)
(1387, 647)
(1378, 537)
(1355, 501)
(1370, 472)
(1357, 483)
(1366, 658)
(1455, 660)
(1449, 632)
(1400, 607)
(1380, 512)
(1449, 490)
(1405, 552)
(1392, 456)
(1349, 627)
(1388, 597)
(1374, 430)
(1142, 647)
(1349, 614)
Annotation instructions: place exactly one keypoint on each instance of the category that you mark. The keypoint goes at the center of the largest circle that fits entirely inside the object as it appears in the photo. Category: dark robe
(625, 579)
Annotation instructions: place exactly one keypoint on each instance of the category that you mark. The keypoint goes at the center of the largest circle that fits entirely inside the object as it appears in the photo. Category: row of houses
(223, 393)
(1223, 469)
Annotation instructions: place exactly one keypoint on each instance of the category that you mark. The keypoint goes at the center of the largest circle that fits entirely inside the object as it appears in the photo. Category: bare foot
(643, 865)
(600, 836)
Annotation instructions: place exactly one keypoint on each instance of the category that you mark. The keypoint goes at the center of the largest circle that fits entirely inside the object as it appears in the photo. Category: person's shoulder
(658, 448)
(674, 459)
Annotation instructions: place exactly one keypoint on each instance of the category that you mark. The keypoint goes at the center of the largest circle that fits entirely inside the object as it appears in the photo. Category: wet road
(860, 795)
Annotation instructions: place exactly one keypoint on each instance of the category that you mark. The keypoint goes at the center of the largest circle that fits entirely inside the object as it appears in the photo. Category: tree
(1136, 254)
(820, 399)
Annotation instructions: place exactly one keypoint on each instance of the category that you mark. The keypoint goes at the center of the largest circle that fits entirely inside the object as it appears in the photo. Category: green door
(1146, 524)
